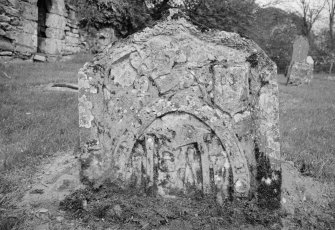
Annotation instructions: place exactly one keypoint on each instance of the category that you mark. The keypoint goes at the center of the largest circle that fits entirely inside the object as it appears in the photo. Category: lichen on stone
(178, 112)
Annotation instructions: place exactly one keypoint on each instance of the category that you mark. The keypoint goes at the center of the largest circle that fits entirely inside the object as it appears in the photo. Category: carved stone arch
(240, 176)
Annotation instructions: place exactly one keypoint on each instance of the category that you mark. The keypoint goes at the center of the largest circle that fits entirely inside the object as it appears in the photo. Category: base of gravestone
(300, 73)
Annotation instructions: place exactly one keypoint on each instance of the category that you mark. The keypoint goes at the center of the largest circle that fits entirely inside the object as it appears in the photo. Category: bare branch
(310, 13)
(271, 3)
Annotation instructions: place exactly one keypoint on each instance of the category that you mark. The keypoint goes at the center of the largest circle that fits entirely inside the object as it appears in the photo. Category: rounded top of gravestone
(184, 42)
(300, 49)
(310, 60)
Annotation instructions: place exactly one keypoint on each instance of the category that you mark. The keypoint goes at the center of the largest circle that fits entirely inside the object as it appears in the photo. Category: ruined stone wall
(172, 110)
(28, 27)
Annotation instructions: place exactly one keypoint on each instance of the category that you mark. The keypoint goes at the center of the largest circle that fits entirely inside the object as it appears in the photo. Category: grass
(307, 124)
(35, 123)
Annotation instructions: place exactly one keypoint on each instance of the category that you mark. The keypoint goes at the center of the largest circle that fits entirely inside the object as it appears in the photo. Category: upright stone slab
(176, 112)
(300, 71)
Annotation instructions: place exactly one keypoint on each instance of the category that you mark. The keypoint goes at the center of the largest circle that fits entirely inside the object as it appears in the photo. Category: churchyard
(181, 120)
(40, 125)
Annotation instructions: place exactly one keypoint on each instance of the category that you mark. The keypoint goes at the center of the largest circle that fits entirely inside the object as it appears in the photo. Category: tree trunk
(331, 67)
(331, 34)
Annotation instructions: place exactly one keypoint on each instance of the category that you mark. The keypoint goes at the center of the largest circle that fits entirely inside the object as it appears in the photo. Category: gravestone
(177, 112)
(300, 70)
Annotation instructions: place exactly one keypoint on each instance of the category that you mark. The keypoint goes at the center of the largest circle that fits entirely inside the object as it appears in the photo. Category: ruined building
(45, 27)
(176, 111)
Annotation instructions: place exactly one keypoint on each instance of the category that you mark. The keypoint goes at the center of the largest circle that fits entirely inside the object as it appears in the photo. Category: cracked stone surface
(176, 112)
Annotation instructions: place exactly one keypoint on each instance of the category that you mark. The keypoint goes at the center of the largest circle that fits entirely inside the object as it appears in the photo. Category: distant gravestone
(300, 70)
(300, 49)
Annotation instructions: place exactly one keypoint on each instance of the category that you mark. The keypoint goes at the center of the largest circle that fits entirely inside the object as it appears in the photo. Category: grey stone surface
(174, 111)
(57, 7)
(39, 58)
(4, 18)
(29, 27)
(50, 45)
(300, 49)
(6, 45)
(6, 53)
(2, 32)
(310, 60)
(26, 39)
(19, 25)
(30, 11)
(55, 21)
(71, 40)
(300, 71)
(55, 33)
(24, 50)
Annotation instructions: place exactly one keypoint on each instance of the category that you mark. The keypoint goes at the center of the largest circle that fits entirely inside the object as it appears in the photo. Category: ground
(39, 129)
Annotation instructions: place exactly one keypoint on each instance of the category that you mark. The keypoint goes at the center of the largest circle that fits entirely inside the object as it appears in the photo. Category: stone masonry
(177, 112)
(28, 27)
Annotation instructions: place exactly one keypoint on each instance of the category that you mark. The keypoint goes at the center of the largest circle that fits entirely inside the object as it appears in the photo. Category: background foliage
(272, 28)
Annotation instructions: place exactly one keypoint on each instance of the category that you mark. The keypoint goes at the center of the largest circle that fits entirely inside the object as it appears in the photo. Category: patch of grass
(35, 123)
(32, 74)
(307, 124)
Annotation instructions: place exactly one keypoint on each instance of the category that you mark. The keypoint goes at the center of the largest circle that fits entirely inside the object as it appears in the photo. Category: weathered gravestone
(175, 112)
(300, 71)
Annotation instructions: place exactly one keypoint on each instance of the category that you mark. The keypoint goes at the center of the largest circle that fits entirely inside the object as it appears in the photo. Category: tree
(228, 15)
(331, 14)
(274, 30)
(270, 3)
(125, 17)
(129, 16)
(310, 12)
